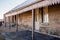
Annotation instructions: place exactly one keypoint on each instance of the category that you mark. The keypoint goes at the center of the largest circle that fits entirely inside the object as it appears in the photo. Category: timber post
(5, 21)
(33, 23)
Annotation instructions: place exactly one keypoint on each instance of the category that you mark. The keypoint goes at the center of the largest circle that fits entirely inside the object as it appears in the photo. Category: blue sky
(6, 5)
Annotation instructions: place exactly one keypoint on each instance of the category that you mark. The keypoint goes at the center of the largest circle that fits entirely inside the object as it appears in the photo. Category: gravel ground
(26, 35)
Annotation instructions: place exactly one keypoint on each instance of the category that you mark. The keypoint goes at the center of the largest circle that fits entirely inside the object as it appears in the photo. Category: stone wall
(54, 16)
(53, 25)
(25, 19)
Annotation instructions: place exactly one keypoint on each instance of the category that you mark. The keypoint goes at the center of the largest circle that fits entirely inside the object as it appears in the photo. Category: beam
(33, 23)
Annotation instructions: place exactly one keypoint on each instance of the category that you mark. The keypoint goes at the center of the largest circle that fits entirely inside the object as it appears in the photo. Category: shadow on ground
(27, 35)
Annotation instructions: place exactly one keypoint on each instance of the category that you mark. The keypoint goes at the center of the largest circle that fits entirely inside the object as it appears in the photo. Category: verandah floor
(27, 35)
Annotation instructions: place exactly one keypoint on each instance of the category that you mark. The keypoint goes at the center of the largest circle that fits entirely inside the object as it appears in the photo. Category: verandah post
(5, 21)
(33, 23)
(17, 24)
(9, 23)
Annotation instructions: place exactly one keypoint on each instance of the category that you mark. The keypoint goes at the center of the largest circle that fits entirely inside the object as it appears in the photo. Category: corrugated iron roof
(26, 3)
(36, 5)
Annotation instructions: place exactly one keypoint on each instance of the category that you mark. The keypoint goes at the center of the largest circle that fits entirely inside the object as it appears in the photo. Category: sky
(7, 5)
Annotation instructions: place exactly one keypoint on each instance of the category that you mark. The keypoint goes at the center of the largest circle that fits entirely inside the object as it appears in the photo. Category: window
(15, 18)
(44, 14)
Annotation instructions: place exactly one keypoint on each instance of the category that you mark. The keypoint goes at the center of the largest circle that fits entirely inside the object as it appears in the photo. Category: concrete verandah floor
(27, 35)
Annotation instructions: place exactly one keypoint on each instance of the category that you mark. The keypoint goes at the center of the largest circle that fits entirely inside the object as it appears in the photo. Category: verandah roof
(36, 5)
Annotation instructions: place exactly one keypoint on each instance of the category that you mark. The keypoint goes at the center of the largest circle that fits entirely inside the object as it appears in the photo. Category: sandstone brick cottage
(47, 15)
